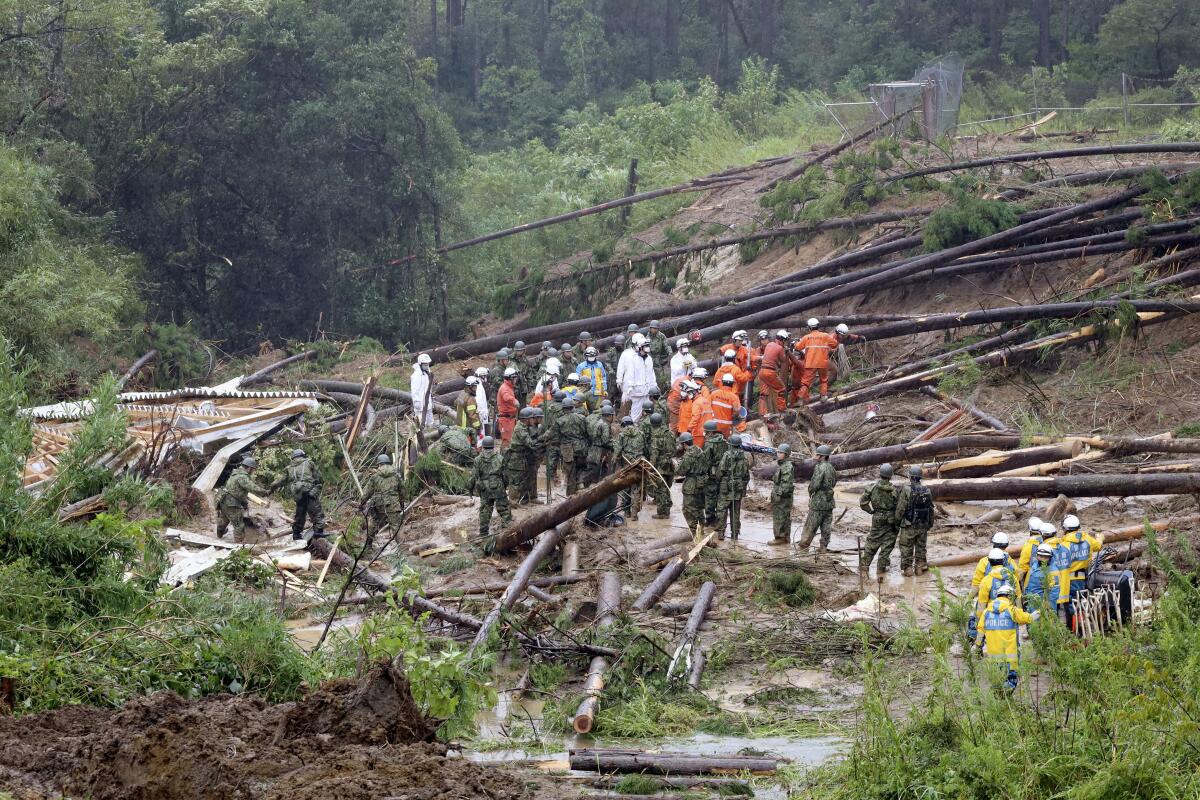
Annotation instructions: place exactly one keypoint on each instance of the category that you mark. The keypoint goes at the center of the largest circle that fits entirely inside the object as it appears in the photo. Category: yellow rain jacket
(998, 631)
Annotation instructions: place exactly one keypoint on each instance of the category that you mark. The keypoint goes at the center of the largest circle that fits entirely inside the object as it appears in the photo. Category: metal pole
(1033, 81)
(1125, 99)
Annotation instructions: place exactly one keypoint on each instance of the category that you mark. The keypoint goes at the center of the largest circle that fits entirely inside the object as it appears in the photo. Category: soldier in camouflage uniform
(550, 436)
(304, 481)
(783, 486)
(521, 458)
(694, 469)
(454, 447)
(631, 445)
(733, 471)
(820, 501)
(880, 501)
(383, 497)
(487, 481)
(600, 444)
(661, 452)
(715, 448)
(660, 353)
(572, 444)
(914, 515)
(657, 400)
(234, 498)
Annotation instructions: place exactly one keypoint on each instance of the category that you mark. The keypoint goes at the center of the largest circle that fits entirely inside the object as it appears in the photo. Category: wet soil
(345, 740)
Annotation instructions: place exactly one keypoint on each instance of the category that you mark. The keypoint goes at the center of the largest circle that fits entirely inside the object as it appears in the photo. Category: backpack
(920, 506)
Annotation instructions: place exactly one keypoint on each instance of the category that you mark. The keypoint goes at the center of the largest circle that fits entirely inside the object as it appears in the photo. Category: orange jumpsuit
(683, 425)
(506, 409)
(675, 401)
(817, 347)
(702, 412)
(740, 376)
(774, 361)
(725, 408)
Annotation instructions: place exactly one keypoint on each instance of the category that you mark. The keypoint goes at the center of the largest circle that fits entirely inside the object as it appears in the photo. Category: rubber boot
(907, 572)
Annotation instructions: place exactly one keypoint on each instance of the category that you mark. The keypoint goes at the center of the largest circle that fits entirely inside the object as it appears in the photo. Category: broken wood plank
(613, 760)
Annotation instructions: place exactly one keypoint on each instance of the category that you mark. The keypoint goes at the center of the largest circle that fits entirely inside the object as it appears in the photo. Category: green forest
(244, 170)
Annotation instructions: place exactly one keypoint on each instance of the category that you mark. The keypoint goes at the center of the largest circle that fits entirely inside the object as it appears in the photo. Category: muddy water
(306, 631)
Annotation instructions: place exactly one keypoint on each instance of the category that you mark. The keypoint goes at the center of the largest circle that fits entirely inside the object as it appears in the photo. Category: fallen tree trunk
(608, 602)
(1069, 485)
(1129, 446)
(595, 760)
(910, 452)
(264, 373)
(346, 387)
(991, 463)
(1048, 155)
(530, 527)
(1119, 535)
(979, 414)
(686, 654)
(136, 367)
(1098, 176)
(658, 587)
(544, 547)
(835, 150)
(499, 586)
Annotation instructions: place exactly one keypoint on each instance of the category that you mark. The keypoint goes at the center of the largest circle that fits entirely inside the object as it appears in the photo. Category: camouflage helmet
(685, 438)
(249, 463)
(710, 426)
(656, 419)
(298, 453)
(383, 459)
(488, 443)
(886, 471)
(825, 451)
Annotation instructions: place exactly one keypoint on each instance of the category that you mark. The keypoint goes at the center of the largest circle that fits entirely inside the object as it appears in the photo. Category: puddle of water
(307, 630)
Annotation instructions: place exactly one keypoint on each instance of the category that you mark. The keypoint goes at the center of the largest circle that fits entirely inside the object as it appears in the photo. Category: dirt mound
(346, 740)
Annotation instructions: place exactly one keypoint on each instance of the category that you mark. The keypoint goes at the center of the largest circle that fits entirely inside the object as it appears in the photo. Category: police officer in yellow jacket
(997, 637)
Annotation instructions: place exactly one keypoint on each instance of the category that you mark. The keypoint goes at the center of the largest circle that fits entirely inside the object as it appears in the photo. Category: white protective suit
(422, 394)
(481, 403)
(635, 376)
(681, 364)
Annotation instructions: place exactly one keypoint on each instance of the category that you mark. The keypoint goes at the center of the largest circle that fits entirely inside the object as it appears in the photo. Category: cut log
(697, 671)
(526, 529)
(979, 414)
(324, 385)
(652, 558)
(687, 650)
(913, 452)
(1118, 535)
(670, 573)
(593, 760)
(991, 462)
(570, 559)
(1130, 446)
(1098, 176)
(266, 372)
(608, 603)
(492, 587)
(542, 550)
(1069, 485)
(1048, 155)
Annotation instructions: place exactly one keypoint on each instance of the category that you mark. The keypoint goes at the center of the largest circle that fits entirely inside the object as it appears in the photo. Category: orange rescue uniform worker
(702, 412)
(507, 406)
(775, 360)
(675, 401)
(688, 396)
(816, 346)
(740, 376)
(727, 407)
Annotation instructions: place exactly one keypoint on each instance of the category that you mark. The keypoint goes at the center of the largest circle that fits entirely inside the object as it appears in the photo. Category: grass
(1190, 430)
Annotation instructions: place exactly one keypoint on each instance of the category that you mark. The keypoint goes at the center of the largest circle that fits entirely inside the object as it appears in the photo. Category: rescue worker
(304, 482)
(701, 409)
(1083, 548)
(481, 400)
(1040, 591)
(593, 377)
(840, 364)
(663, 445)
(550, 436)
(611, 359)
(629, 447)
(234, 498)
(1027, 550)
(688, 390)
(600, 444)
(499, 372)
(660, 352)
(383, 497)
(715, 447)
(580, 350)
(814, 348)
(520, 466)
(783, 487)
(914, 515)
(727, 406)
(675, 402)
(566, 354)
(454, 447)
(527, 366)
(999, 573)
(820, 501)
(547, 383)
(658, 402)
(730, 367)
(999, 544)
(694, 469)
(487, 481)
(682, 363)
(733, 474)
(465, 409)
(420, 384)
(507, 405)
(1061, 563)
(879, 500)
(635, 376)
(572, 444)
(997, 638)
(775, 363)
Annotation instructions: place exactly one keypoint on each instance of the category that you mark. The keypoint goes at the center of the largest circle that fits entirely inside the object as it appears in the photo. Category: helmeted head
(727, 379)
(685, 438)
(813, 323)
(552, 353)
(553, 366)
(547, 346)
(637, 340)
(996, 556)
(568, 403)
(423, 360)
(781, 334)
(740, 336)
(525, 413)
(607, 411)
(618, 341)
(1044, 551)
(1048, 530)
(736, 440)
(842, 328)
(654, 325)
(824, 451)
(249, 463)
(1035, 524)
(585, 337)
(591, 354)
(573, 378)
(503, 355)
(626, 421)
(481, 372)
(383, 459)
(510, 372)
(654, 392)
(729, 356)
(518, 345)
(537, 415)
(783, 452)
(1000, 539)
(644, 348)
(631, 328)
(886, 471)
(565, 350)
(1070, 523)
(710, 426)
(297, 453)
(1004, 591)
(442, 428)
(488, 443)
(471, 380)
(559, 395)
(656, 419)
(699, 374)
(915, 472)
(681, 345)
(764, 335)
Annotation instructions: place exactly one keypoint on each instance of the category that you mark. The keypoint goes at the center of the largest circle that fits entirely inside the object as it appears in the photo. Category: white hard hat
(553, 365)
(481, 372)
(764, 335)
(573, 377)
(510, 371)
(691, 386)
(1070, 523)
(472, 380)
(781, 333)
(680, 344)
(1048, 529)
(729, 354)
(842, 328)
(996, 555)
(638, 339)
(699, 373)
(1045, 550)
(813, 322)
(1000, 539)
(1035, 524)
(424, 359)
(727, 379)
(1004, 591)
(739, 334)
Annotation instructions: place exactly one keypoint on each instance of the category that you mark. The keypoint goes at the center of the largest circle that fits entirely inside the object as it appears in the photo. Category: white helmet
(764, 334)
(424, 359)
(591, 352)
(842, 328)
(996, 555)
(691, 386)
(1045, 550)
(699, 373)
(1048, 529)
(729, 354)
(472, 380)
(739, 335)
(813, 322)
(681, 345)
(1070, 523)
(638, 340)
(1004, 591)
(1035, 524)
(727, 379)
(1000, 539)
(481, 372)
(573, 377)
(510, 371)
(781, 334)
(553, 365)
